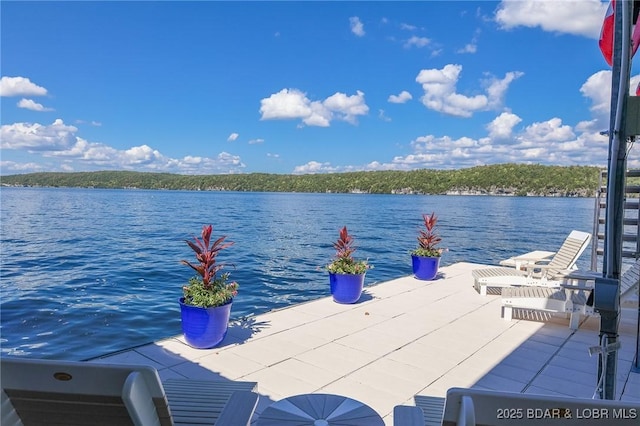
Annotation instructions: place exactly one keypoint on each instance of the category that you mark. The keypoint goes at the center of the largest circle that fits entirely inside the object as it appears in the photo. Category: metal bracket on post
(632, 120)
(606, 297)
(606, 301)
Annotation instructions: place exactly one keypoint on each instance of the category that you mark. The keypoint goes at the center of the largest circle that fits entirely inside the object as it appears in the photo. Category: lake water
(86, 272)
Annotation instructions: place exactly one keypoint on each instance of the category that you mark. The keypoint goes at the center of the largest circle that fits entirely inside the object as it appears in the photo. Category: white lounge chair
(568, 299)
(484, 407)
(550, 275)
(45, 392)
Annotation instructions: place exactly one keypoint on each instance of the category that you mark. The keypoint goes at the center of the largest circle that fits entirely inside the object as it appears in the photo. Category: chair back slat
(567, 256)
(50, 408)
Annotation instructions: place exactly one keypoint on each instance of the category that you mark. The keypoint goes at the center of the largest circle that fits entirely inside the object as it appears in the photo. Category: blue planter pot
(425, 268)
(204, 328)
(346, 288)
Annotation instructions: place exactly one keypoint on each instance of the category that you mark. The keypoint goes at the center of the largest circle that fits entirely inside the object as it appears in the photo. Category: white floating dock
(404, 338)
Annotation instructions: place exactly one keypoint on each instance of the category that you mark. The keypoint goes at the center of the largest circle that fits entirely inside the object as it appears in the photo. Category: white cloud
(496, 89)
(416, 41)
(33, 106)
(549, 131)
(256, 141)
(287, 103)
(357, 27)
(468, 48)
(471, 47)
(20, 86)
(37, 137)
(319, 116)
(232, 137)
(400, 98)
(222, 163)
(502, 126)
(14, 167)
(348, 108)
(440, 95)
(549, 141)
(408, 27)
(634, 84)
(598, 89)
(382, 116)
(313, 167)
(292, 104)
(59, 140)
(583, 18)
(142, 155)
(92, 123)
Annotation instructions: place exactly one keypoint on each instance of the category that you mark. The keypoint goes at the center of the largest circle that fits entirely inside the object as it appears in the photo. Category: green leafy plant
(428, 238)
(343, 262)
(209, 288)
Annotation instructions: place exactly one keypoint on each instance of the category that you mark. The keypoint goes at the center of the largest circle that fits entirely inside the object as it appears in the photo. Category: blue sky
(301, 87)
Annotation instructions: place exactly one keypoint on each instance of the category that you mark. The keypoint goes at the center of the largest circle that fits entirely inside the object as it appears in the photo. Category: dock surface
(405, 337)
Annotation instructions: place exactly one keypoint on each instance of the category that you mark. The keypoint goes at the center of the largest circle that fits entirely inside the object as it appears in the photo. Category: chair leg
(574, 321)
(507, 313)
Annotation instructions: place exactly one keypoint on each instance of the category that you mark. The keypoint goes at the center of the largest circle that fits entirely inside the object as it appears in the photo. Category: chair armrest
(238, 411)
(536, 266)
(542, 270)
(407, 415)
(528, 258)
(535, 270)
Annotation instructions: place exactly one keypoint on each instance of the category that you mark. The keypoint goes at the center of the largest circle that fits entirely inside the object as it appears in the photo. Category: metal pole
(614, 221)
(636, 365)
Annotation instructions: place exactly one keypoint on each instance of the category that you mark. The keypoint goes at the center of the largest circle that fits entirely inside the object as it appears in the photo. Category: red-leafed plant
(343, 262)
(208, 288)
(428, 238)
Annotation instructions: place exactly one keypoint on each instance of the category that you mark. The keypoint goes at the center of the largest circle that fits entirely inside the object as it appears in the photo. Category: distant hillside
(502, 179)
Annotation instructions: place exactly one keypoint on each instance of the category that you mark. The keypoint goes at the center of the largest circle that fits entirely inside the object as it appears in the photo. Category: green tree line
(509, 179)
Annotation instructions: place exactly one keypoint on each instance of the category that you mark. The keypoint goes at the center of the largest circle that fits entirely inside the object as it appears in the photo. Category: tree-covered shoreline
(501, 179)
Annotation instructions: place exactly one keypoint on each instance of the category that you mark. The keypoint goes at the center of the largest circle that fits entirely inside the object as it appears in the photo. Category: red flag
(606, 34)
(635, 37)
